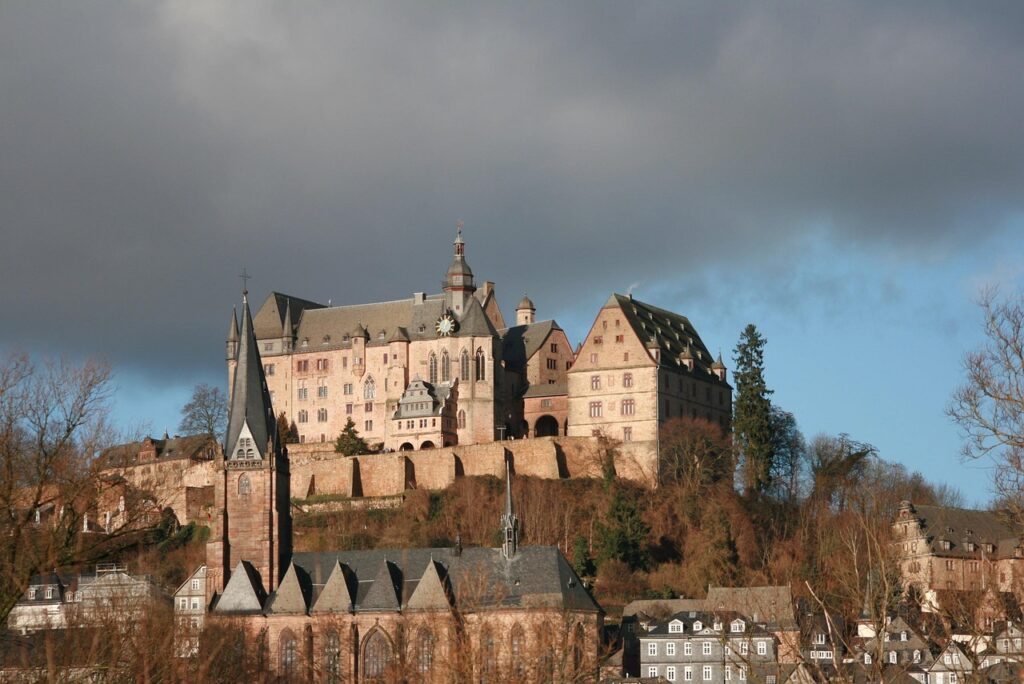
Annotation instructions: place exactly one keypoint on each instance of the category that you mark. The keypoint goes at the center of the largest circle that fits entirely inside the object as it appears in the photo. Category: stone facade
(639, 366)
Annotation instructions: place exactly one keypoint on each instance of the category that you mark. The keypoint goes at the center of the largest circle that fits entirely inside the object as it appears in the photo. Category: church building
(515, 613)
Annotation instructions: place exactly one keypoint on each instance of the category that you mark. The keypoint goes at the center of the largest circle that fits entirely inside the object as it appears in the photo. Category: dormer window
(969, 546)
(819, 638)
(32, 594)
(697, 626)
(49, 592)
(946, 545)
(675, 627)
(903, 636)
(736, 626)
(718, 626)
(917, 656)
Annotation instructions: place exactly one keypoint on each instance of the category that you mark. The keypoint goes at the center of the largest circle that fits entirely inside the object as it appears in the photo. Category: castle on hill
(445, 369)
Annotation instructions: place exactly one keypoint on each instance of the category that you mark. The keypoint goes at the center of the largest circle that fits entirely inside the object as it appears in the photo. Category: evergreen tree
(624, 536)
(752, 421)
(582, 563)
(349, 442)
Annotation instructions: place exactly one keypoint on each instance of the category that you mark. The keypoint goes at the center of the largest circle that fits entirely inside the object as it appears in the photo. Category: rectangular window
(554, 348)
(707, 673)
(627, 380)
(195, 603)
(687, 674)
(706, 648)
(49, 592)
(546, 403)
(321, 391)
(599, 340)
(595, 382)
(949, 565)
(652, 671)
(762, 648)
(595, 409)
(195, 585)
(348, 409)
(628, 407)
(385, 359)
(619, 339)
(744, 648)
(302, 366)
(728, 673)
(268, 346)
(652, 648)
(593, 358)
(687, 649)
(625, 356)
(552, 364)
(368, 407)
(182, 603)
(670, 648)
(268, 368)
(743, 673)
(303, 393)
(670, 673)
(347, 388)
(627, 434)
(368, 426)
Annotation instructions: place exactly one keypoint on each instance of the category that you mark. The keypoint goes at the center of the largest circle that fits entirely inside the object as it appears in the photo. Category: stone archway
(406, 446)
(427, 445)
(546, 426)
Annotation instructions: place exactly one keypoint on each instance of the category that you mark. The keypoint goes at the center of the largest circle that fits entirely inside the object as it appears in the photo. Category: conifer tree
(582, 563)
(349, 442)
(752, 422)
(623, 534)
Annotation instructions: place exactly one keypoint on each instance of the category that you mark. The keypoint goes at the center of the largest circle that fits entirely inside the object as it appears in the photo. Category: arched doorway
(546, 426)
(406, 447)
(427, 445)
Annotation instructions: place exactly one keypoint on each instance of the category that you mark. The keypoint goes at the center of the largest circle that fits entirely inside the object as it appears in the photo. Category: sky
(847, 176)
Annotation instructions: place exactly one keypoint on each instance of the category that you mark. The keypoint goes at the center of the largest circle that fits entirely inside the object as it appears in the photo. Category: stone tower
(251, 485)
(458, 281)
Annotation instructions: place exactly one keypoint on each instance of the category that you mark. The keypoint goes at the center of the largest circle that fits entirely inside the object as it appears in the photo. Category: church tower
(251, 482)
(458, 282)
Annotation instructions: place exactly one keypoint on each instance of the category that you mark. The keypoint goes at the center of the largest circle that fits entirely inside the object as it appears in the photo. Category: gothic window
(545, 654)
(332, 657)
(289, 655)
(462, 419)
(481, 365)
(516, 655)
(369, 389)
(464, 366)
(488, 656)
(244, 485)
(425, 651)
(432, 368)
(376, 657)
(446, 367)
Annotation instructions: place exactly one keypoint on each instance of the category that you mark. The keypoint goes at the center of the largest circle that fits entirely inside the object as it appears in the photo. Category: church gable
(245, 447)
(244, 592)
(337, 595)
(294, 593)
(430, 592)
(383, 593)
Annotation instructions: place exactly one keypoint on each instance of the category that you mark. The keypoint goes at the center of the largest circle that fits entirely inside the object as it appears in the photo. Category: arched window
(488, 656)
(578, 642)
(376, 657)
(446, 367)
(369, 389)
(464, 366)
(244, 486)
(303, 416)
(289, 663)
(481, 365)
(321, 415)
(517, 656)
(462, 419)
(544, 653)
(425, 651)
(432, 368)
(332, 657)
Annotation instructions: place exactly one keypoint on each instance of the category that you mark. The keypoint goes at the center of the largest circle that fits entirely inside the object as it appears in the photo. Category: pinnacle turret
(509, 521)
(251, 430)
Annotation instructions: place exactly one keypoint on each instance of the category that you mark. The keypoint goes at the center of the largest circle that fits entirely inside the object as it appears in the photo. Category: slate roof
(770, 604)
(668, 332)
(294, 594)
(389, 579)
(707, 620)
(474, 322)
(191, 446)
(244, 593)
(337, 323)
(657, 607)
(270, 319)
(959, 525)
(520, 342)
(546, 390)
(250, 398)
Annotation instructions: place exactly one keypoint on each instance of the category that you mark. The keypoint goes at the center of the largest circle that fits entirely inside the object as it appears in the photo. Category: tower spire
(250, 411)
(458, 281)
(509, 521)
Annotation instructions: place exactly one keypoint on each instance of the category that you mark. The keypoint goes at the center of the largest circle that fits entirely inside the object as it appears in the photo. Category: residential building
(899, 647)
(190, 612)
(951, 666)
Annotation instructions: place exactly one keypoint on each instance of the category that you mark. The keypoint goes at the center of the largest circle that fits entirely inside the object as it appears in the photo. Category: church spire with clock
(458, 282)
(251, 483)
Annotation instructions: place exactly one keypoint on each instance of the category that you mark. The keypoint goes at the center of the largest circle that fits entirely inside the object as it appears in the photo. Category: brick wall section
(187, 486)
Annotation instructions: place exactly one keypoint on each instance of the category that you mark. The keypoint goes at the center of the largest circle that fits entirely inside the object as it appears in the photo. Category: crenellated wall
(317, 470)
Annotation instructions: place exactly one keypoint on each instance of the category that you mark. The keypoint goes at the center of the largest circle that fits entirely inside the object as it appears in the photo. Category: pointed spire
(718, 362)
(509, 521)
(250, 413)
(233, 326)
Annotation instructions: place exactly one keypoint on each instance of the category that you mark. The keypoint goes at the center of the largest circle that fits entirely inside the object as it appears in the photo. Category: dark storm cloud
(148, 151)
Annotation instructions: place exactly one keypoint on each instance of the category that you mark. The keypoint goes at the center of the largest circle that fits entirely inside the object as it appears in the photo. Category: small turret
(232, 345)
(458, 281)
(287, 329)
(525, 311)
(718, 368)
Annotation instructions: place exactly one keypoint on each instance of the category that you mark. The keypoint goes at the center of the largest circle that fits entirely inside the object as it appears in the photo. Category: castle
(444, 369)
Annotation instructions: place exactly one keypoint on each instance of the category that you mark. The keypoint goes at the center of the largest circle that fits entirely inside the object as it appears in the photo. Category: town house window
(195, 585)
(627, 380)
(628, 407)
(706, 648)
(347, 388)
(670, 648)
(627, 434)
(268, 368)
(687, 649)
(670, 673)
(652, 648)
(595, 409)
(554, 348)
(321, 415)
(302, 366)
(49, 592)
(303, 391)
(321, 391)
(552, 364)
(595, 382)
(762, 648)
(707, 673)
(688, 674)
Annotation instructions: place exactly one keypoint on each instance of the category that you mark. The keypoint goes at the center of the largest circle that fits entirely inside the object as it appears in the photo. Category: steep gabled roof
(769, 604)
(431, 592)
(474, 322)
(294, 594)
(338, 595)
(385, 592)
(244, 593)
(270, 319)
(521, 342)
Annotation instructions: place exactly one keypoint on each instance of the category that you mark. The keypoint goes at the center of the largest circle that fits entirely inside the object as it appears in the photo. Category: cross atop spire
(245, 283)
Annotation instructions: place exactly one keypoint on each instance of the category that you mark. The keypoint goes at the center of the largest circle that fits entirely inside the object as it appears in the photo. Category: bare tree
(989, 405)
(206, 413)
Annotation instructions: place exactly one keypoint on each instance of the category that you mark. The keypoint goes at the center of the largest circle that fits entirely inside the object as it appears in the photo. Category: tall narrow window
(446, 367)
(516, 655)
(462, 419)
(369, 389)
(332, 657)
(244, 485)
(376, 657)
(289, 655)
(432, 368)
(488, 656)
(425, 651)
(464, 366)
(481, 365)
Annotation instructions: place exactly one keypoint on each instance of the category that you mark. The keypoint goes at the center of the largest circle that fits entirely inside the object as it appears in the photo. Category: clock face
(445, 325)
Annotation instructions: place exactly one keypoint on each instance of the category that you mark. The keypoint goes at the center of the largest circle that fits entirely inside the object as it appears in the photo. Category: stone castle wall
(317, 470)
